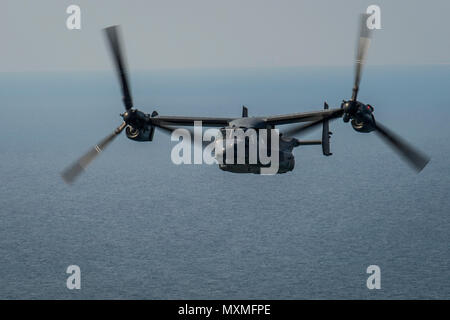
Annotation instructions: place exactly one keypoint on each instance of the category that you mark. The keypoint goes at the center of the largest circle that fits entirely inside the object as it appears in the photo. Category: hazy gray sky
(209, 33)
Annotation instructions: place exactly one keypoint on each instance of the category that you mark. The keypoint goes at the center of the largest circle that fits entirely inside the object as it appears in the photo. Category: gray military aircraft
(140, 126)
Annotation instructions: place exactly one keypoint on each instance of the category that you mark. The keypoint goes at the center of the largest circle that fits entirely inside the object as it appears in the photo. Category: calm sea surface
(141, 227)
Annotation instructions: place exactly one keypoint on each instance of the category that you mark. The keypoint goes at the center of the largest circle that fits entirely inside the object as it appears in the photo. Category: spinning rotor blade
(363, 46)
(71, 173)
(415, 158)
(311, 125)
(112, 35)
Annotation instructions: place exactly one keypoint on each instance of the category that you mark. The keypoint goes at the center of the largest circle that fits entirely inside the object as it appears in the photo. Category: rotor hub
(135, 118)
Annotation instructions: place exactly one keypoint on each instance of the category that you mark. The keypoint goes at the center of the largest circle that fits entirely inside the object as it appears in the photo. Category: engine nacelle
(142, 134)
(361, 116)
(362, 126)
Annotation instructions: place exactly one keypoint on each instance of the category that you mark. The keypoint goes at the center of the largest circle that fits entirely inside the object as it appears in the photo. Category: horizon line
(223, 68)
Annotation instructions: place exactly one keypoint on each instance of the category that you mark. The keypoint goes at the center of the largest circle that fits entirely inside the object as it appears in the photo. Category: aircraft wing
(189, 121)
(221, 122)
(299, 117)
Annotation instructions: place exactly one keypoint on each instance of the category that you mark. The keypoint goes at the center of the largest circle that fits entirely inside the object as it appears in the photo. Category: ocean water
(141, 227)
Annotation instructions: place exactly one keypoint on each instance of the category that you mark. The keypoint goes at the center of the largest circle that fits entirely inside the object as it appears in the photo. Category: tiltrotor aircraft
(140, 126)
